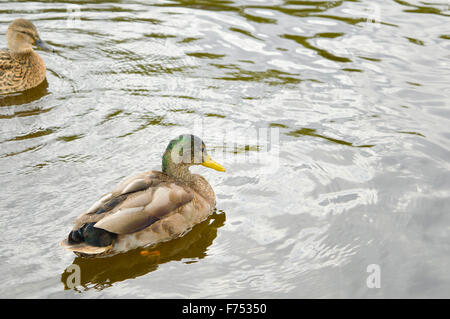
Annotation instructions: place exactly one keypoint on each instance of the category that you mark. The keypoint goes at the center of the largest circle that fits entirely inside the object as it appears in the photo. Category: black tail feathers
(92, 236)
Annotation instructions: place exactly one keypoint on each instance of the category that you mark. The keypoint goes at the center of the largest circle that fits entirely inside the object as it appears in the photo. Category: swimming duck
(20, 67)
(150, 207)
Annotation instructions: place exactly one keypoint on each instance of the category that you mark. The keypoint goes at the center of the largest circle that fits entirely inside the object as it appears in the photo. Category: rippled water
(331, 117)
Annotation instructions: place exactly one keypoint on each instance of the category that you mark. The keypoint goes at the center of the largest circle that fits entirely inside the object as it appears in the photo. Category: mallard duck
(148, 208)
(20, 67)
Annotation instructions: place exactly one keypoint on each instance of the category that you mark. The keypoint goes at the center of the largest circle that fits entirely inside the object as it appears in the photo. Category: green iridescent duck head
(187, 150)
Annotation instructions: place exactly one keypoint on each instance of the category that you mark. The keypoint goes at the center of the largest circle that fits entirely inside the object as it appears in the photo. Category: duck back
(20, 72)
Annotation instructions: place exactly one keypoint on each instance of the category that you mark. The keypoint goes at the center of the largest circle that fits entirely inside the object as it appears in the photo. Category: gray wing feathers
(140, 211)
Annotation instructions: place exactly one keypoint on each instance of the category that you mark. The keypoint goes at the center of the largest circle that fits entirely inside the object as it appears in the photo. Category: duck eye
(28, 34)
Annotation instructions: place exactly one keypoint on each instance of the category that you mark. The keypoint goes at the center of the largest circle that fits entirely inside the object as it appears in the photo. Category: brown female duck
(150, 207)
(20, 67)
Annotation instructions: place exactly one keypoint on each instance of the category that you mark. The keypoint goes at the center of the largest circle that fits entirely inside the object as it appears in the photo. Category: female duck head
(184, 151)
(22, 35)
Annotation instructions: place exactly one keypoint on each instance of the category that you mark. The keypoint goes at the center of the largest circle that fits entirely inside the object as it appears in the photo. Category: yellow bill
(212, 164)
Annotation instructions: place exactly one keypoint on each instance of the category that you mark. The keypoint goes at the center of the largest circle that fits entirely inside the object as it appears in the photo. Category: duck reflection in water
(25, 97)
(100, 273)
